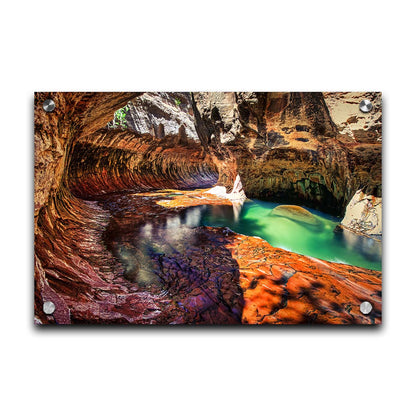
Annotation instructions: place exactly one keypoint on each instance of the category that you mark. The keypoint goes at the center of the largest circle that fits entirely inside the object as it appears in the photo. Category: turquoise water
(254, 218)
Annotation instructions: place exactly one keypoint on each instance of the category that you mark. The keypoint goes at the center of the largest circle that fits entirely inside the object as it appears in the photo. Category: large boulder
(363, 214)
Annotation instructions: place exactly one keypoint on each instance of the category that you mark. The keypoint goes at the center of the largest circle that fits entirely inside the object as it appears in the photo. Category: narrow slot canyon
(127, 185)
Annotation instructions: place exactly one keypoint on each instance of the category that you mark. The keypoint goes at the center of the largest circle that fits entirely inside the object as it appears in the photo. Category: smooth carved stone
(76, 115)
(116, 160)
(281, 287)
(296, 213)
(364, 214)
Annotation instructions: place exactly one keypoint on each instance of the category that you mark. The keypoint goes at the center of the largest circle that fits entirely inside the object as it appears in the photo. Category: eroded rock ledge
(288, 148)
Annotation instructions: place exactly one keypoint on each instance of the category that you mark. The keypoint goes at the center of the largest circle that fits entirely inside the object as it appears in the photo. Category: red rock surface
(113, 160)
(217, 277)
(281, 287)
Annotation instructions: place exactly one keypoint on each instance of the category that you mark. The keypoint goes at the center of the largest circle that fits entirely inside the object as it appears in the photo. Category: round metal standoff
(48, 105)
(366, 308)
(366, 106)
(49, 308)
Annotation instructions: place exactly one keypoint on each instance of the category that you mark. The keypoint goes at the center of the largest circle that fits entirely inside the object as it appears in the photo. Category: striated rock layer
(75, 158)
(112, 160)
(97, 189)
(75, 116)
(289, 148)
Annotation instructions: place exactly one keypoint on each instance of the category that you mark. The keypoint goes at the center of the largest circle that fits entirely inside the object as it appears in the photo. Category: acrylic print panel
(208, 208)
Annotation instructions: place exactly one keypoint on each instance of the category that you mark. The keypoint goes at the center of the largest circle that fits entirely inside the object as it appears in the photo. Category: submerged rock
(295, 213)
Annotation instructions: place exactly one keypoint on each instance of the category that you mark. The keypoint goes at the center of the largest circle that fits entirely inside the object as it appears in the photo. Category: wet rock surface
(145, 263)
(281, 287)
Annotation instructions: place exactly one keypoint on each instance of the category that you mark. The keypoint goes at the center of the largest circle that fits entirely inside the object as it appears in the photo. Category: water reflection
(237, 208)
(370, 248)
(229, 214)
(254, 218)
(139, 246)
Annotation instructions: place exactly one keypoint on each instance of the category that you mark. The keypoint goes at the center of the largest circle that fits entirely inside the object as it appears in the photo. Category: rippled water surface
(254, 218)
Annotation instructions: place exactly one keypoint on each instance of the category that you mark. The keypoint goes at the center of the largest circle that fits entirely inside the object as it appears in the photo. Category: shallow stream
(312, 235)
(255, 218)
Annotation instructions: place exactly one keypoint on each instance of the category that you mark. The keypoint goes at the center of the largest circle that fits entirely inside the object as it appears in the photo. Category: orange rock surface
(281, 287)
(191, 198)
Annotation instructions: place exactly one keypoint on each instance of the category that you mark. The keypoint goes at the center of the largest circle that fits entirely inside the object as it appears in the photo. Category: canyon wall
(77, 160)
(289, 148)
(58, 264)
(75, 116)
(361, 134)
(284, 146)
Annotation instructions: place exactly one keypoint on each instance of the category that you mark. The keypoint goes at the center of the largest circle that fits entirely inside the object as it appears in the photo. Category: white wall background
(212, 45)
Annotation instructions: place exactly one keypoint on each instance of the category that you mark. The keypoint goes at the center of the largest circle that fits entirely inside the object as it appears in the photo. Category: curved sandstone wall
(76, 160)
(119, 161)
(88, 164)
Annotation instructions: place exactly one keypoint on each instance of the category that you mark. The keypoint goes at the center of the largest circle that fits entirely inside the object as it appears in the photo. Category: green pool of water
(254, 218)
